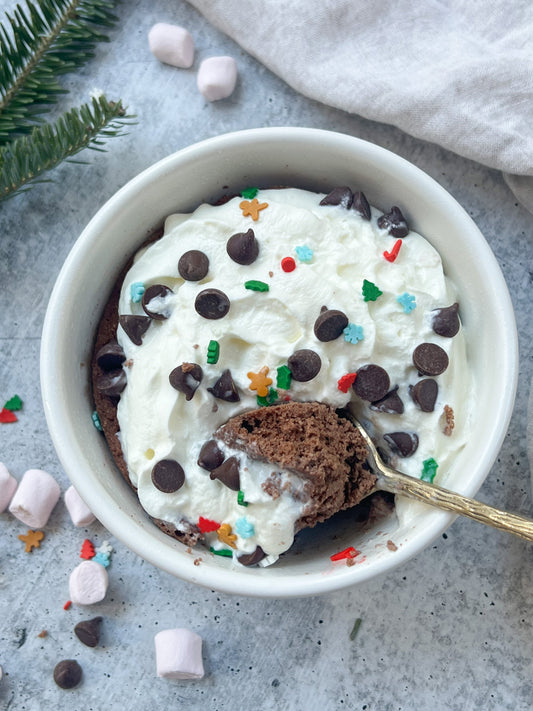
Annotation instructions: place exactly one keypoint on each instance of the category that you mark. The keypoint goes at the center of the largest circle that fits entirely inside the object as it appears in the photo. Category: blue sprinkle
(137, 291)
(408, 301)
(304, 253)
(353, 333)
(244, 528)
(96, 421)
(102, 558)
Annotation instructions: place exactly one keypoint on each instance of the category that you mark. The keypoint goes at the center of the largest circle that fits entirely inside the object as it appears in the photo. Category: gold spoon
(395, 482)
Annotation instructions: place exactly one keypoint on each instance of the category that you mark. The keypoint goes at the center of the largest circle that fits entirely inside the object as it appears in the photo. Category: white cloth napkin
(457, 73)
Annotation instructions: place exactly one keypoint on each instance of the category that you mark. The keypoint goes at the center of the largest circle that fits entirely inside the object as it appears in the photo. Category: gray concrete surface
(450, 630)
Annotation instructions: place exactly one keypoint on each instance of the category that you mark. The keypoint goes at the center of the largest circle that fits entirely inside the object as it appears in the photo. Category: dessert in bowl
(315, 161)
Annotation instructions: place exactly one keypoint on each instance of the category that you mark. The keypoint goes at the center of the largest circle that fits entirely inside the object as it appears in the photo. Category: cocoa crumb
(392, 546)
(197, 561)
(447, 421)
(43, 634)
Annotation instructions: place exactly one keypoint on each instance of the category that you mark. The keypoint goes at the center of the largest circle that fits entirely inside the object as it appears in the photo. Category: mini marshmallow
(8, 484)
(217, 77)
(179, 654)
(171, 44)
(35, 498)
(88, 583)
(80, 513)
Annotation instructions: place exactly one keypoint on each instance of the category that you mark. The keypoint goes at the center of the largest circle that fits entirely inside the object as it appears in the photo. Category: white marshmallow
(88, 583)
(35, 498)
(179, 654)
(217, 77)
(171, 44)
(80, 513)
(8, 484)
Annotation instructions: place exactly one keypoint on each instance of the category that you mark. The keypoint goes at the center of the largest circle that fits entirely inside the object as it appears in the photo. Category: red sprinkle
(288, 264)
(67, 605)
(346, 553)
(87, 550)
(207, 526)
(7, 416)
(391, 256)
(346, 382)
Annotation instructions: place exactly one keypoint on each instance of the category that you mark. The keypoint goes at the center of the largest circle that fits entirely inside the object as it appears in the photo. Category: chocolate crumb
(392, 546)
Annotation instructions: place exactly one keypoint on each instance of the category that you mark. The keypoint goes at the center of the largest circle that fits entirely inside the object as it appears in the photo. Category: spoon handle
(397, 483)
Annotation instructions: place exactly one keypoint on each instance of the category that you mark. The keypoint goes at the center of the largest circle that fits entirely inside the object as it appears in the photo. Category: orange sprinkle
(226, 536)
(260, 381)
(32, 540)
(251, 208)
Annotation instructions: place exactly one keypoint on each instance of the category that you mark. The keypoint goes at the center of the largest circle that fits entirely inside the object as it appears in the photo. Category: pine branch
(45, 41)
(26, 158)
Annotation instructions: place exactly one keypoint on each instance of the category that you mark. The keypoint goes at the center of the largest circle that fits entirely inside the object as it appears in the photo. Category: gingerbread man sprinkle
(32, 540)
(226, 536)
(252, 208)
(260, 381)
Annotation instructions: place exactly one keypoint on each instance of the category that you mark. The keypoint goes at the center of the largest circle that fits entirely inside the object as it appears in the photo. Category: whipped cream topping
(338, 250)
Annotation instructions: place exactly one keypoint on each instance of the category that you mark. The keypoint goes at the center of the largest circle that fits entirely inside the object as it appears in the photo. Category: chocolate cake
(315, 442)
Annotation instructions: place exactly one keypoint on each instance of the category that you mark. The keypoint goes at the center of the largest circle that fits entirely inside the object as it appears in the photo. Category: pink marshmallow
(8, 484)
(171, 44)
(35, 498)
(80, 513)
(178, 654)
(88, 583)
(217, 77)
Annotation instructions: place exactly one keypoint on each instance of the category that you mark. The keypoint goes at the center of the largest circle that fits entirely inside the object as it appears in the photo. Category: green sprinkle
(284, 378)
(430, 469)
(240, 499)
(255, 285)
(14, 404)
(270, 399)
(370, 291)
(355, 629)
(223, 551)
(249, 193)
(213, 352)
(96, 421)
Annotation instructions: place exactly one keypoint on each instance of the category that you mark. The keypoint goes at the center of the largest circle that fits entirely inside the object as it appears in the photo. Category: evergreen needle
(49, 38)
(25, 159)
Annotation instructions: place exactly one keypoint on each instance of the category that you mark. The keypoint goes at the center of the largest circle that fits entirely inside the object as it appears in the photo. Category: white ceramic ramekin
(300, 157)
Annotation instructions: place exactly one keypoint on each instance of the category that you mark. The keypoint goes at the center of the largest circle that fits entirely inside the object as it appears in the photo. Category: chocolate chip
(67, 674)
(193, 265)
(110, 356)
(134, 327)
(159, 311)
(372, 383)
(330, 325)
(424, 394)
(430, 359)
(210, 456)
(224, 388)
(212, 304)
(339, 196)
(361, 206)
(243, 247)
(252, 558)
(228, 474)
(112, 383)
(88, 631)
(304, 365)
(404, 444)
(186, 378)
(168, 476)
(394, 222)
(445, 322)
(392, 403)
